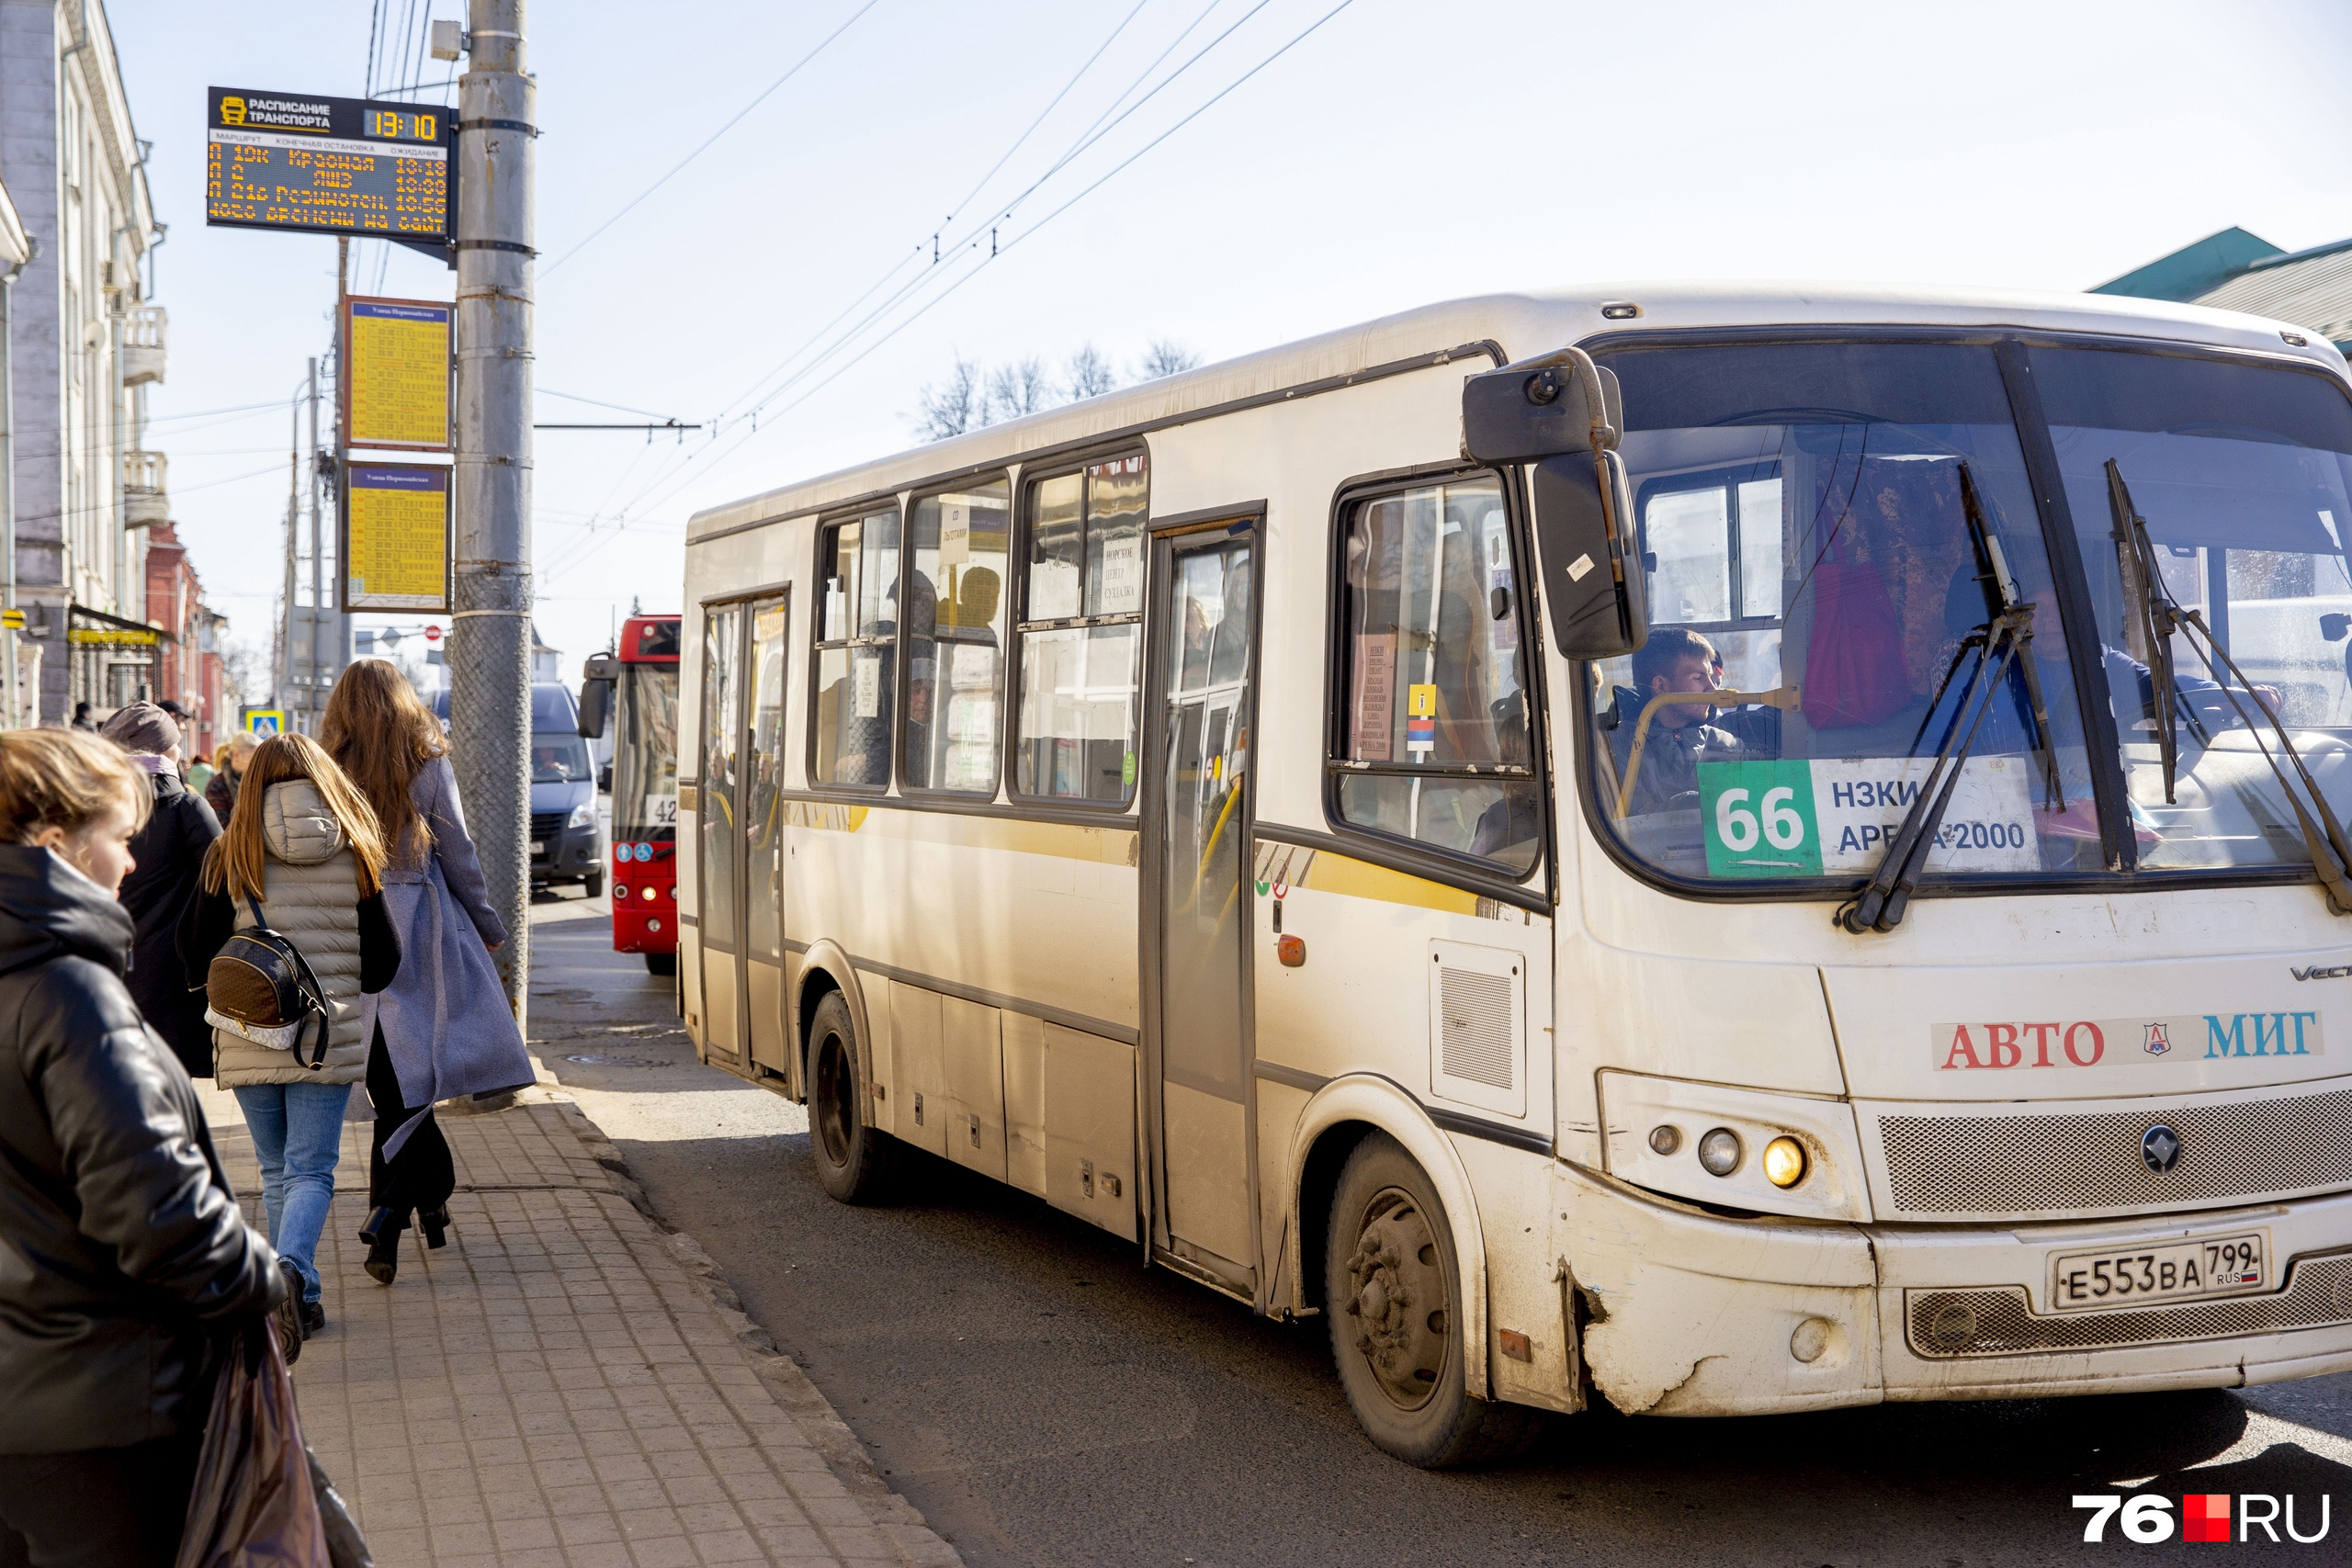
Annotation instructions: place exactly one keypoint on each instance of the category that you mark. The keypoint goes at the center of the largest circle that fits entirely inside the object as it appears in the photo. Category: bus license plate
(539, 846)
(2174, 1272)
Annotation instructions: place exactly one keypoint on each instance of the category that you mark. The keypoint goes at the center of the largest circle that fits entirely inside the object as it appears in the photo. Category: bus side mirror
(1545, 407)
(1593, 581)
(604, 779)
(595, 707)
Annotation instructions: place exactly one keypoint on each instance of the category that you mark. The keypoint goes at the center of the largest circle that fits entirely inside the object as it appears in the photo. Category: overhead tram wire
(1013, 205)
(970, 238)
(631, 205)
(967, 276)
(916, 253)
(1054, 103)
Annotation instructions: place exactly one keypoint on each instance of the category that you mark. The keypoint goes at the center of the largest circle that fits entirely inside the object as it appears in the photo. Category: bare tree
(1166, 356)
(951, 407)
(1016, 389)
(247, 667)
(1090, 374)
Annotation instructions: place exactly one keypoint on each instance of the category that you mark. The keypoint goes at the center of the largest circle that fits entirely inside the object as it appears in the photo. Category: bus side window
(857, 588)
(1082, 633)
(1434, 744)
(958, 554)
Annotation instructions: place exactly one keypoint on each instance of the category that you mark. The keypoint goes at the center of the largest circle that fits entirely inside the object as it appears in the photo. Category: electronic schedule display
(328, 165)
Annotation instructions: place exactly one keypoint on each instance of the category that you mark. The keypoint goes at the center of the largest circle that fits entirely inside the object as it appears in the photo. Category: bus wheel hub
(1400, 1299)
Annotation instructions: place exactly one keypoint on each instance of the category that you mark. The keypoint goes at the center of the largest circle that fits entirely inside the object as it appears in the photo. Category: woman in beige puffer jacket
(303, 854)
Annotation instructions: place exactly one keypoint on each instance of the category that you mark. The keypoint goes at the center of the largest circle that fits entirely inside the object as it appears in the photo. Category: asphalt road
(1044, 1399)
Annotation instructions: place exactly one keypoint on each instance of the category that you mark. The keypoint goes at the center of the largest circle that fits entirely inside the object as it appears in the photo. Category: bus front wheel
(852, 1155)
(1391, 1281)
(661, 964)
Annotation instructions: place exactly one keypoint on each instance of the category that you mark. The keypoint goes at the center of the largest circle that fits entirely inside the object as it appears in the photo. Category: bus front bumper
(1687, 1313)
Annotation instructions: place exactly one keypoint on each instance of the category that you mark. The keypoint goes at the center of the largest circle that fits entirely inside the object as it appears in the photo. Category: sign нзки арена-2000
(327, 166)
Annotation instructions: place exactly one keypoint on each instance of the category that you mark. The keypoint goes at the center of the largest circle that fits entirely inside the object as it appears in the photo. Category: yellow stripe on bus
(1359, 879)
(1107, 845)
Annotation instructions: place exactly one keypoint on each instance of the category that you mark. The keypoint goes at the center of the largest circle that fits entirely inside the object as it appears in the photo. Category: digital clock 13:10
(392, 126)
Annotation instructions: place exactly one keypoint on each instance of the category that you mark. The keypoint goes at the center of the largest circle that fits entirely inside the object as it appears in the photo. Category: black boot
(435, 1223)
(384, 1251)
(379, 1220)
(288, 1316)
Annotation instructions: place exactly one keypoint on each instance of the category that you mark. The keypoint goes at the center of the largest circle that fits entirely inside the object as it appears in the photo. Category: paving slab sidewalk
(566, 1382)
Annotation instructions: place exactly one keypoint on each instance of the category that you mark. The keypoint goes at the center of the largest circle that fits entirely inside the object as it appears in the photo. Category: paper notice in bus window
(661, 811)
(1122, 574)
(867, 698)
(1834, 816)
(1375, 698)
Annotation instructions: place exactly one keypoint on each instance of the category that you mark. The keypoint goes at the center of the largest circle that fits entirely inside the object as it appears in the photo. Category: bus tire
(853, 1153)
(1390, 1284)
(661, 964)
(594, 882)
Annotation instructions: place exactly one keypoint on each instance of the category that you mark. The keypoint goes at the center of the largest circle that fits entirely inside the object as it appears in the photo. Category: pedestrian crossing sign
(265, 722)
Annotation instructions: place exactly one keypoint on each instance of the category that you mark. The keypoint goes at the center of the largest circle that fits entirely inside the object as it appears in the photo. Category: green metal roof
(2194, 270)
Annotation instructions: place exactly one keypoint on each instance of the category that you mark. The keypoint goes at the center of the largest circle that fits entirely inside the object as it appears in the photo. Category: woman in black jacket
(122, 1253)
(170, 855)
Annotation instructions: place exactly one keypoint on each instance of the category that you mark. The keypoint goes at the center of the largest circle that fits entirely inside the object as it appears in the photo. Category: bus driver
(1680, 735)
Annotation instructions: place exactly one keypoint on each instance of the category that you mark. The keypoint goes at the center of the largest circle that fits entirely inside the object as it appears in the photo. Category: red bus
(637, 689)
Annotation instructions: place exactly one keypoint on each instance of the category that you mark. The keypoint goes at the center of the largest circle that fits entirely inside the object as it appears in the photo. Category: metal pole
(9, 477)
(342, 456)
(490, 639)
(311, 643)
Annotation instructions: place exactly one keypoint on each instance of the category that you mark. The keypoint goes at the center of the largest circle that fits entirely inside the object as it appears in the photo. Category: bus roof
(1518, 326)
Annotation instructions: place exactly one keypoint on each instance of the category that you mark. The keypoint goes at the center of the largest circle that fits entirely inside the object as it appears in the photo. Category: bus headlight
(1772, 1152)
(585, 814)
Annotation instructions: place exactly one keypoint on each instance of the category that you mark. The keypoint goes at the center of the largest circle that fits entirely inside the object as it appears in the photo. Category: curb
(898, 1520)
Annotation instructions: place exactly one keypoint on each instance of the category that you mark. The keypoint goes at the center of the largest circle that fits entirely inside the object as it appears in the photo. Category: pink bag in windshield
(1853, 661)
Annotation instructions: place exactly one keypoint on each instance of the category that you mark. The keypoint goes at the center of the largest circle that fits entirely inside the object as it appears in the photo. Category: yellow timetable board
(398, 391)
(396, 537)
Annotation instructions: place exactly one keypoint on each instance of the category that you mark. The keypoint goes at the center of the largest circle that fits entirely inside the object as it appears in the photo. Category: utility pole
(311, 643)
(490, 639)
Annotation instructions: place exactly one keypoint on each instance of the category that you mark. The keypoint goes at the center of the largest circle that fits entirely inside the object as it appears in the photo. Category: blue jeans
(297, 1131)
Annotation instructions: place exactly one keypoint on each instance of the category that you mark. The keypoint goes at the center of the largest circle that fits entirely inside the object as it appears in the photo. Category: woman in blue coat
(446, 1028)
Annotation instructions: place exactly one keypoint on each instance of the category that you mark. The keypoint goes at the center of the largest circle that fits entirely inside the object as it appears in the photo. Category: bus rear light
(1785, 1162)
(1719, 1152)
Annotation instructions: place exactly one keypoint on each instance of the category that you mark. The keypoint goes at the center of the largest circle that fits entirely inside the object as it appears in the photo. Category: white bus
(1686, 849)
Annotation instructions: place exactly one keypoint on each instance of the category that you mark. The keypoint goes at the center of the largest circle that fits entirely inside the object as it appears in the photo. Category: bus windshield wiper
(1879, 905)
(2151, 615)
(2005, 638)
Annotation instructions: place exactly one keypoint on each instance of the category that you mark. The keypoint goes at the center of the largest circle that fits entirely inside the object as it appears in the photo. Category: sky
(1389, 154)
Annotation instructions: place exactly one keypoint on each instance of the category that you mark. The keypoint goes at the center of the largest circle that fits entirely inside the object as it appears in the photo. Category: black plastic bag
(347, 1548)
(254, 1505)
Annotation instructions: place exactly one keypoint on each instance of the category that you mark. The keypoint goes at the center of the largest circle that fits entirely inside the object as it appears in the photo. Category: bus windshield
(2241, 472)
(1832, 534)
(1828, 532)
(645, 761)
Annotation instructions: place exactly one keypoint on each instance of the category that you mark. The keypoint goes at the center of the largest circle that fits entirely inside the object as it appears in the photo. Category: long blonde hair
(236, 861)
(380, 731)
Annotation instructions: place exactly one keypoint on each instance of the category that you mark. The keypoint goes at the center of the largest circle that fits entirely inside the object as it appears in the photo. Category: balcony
(143, 344)
(145, 500)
